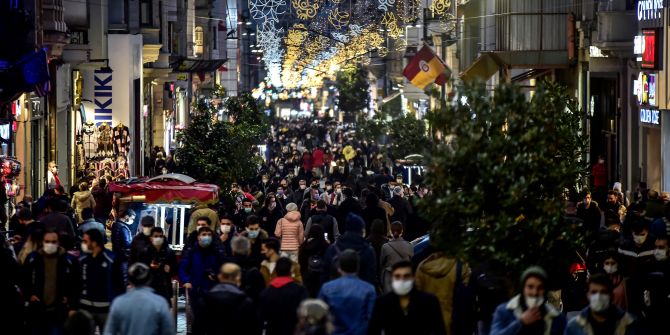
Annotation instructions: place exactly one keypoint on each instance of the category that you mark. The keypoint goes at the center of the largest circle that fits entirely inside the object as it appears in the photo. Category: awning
(168, 188)
(483, 67)
(197, 65)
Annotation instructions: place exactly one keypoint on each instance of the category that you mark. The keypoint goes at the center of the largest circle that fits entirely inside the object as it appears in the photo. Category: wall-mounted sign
(645, 89)
(650, 116)
(102, 91)
(649, 49)
(649, 10)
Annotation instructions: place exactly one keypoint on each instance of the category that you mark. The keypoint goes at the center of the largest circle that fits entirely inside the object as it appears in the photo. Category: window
(145, 13)
(171, 37)
(215, 38)
(198, 39)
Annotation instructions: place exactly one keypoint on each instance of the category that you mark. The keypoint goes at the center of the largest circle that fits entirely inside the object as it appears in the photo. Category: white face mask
(157, 241)
(225, 229)
(146, 231)
(532, 302)
(50, 248)
(599, 302)
(610, 269)
(84, 248)
(639, 239)
(660, 254)
(402, 287)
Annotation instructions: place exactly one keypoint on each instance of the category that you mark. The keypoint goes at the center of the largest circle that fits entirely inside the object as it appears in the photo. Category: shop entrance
(651, 157)
(603, 124)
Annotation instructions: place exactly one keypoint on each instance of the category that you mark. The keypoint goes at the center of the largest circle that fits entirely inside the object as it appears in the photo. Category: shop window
(198, 38)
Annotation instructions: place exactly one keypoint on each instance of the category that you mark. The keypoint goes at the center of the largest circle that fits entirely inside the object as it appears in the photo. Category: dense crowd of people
(326, 239)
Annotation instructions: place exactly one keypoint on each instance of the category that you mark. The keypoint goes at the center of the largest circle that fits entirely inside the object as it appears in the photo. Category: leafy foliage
(500, 172)
(353, 87)
(407, 136)
(222, 151)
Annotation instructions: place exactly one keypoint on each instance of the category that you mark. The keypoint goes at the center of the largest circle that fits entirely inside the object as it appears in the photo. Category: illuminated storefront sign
(649, 49)
(649, 10)
(650, 116)
(645, 89)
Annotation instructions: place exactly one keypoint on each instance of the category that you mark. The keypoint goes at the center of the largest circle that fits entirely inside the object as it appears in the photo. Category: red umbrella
(167, 188)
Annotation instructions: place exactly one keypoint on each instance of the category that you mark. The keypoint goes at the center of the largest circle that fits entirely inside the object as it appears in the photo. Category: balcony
(615, 32)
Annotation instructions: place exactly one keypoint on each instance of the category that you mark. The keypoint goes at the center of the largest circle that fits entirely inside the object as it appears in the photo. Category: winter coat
(268, 275)
(393, 252)
(278, 305)
(356, 242)
(291, 231)
(625, 324)
(402, 209)
(269, 218)
(423, 316)
(312, 280)
(226, 310)
(103, 202)
(328, 222)
(317, 158)
(121, 241)
(161, 281)
(131, 311)
(102, 281)
(253, 282)
(63, 225)
(198, 264)
(67, 281)
(437, 275)
(369, 214)
(507, 319)
(81, 200)
(351, 302)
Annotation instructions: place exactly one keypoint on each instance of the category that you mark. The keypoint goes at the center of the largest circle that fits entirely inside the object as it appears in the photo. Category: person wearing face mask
(197, 270)
(599, 175)
(122, 238)
(620, 284)
(395, 251)
(656, 288)
(270, 250)
(601, 317)
(256, 235)
(270, 214)
(50, 285)
(101, 278)
(589, 211)
(246, 210)
(528, 312)
(405, 309)
(140, 247)
(163, 264)
(637, 251)
(228, 231)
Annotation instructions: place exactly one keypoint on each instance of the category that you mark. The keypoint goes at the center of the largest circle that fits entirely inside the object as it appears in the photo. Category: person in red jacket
(317, 158)
(307, 161)
(599, 174)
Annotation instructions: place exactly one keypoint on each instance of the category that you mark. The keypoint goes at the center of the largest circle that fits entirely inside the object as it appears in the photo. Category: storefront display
(102, 151)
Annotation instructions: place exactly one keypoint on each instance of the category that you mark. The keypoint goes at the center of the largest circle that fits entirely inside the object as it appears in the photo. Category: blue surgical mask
(205, 241)
(253, 233)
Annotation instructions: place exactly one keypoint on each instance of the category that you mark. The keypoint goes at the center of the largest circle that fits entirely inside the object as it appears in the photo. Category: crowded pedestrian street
(329, 167)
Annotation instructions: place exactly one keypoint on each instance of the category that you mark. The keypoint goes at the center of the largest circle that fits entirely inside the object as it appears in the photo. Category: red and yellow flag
(426, 68)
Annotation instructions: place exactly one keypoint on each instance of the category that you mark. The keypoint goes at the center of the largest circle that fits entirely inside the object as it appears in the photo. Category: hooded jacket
(225, 305)
(278, 304)
(437, 275)
(291, 231)
(356, 242)
(81, 200)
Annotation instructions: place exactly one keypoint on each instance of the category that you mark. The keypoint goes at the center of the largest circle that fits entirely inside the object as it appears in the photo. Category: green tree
(352, 85)
(222, 151)
(500, 172)
(407, 136)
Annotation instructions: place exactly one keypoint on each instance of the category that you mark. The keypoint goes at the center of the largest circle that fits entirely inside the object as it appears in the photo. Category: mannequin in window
(121, 136)
(105, 143)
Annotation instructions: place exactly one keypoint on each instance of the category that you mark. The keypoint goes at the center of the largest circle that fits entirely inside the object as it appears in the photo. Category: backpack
(315, 264)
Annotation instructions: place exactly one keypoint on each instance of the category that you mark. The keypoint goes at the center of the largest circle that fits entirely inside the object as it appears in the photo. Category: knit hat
(354, 223)
(533, 271)
(291, 207)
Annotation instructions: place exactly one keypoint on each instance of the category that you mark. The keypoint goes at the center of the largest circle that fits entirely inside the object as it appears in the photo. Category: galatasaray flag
(425, 68)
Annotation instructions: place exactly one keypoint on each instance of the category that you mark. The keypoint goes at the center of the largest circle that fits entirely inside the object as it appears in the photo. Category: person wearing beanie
(291, 232)
(352, 239)
(528, 312)
(140, 310)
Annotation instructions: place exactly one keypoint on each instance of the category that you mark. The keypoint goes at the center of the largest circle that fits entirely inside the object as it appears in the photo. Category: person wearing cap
(291, 232)
(350, 298)
(352, 239)
(529, 312)
(601, 317)
(401, 206)
(140, 310)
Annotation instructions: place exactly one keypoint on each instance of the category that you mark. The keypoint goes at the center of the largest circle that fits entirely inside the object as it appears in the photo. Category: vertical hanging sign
(102, 93)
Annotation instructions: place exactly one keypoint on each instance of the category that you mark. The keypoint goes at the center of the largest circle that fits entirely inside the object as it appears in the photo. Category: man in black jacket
(252, 281)
(226, 309)
(348, 205)
(406, 310)
(401, 206)
(280, 300)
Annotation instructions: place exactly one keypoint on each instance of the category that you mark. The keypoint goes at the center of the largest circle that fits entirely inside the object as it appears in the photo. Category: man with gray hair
(225, 305)
(252, 281)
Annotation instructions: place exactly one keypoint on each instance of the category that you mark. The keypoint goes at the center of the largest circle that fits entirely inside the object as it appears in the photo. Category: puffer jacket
(437, 275)
(291, 231)
(81, 200)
